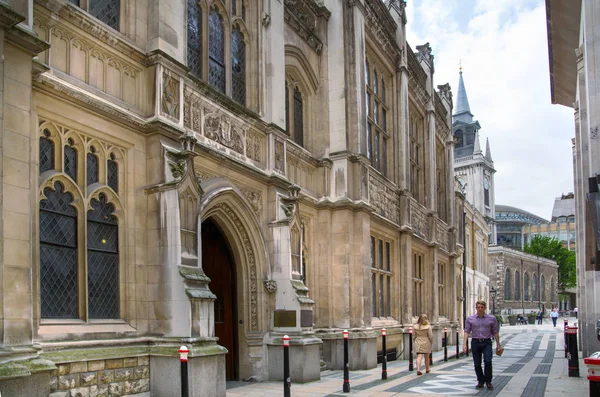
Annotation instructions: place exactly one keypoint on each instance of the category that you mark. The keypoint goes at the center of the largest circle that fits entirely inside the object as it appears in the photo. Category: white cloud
(504, 52)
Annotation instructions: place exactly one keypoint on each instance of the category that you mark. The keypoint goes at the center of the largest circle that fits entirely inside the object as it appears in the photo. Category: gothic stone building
(216, 174)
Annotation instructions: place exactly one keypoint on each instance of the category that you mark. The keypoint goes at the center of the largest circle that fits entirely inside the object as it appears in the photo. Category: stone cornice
(17, 35)
(8, 17)
(301, 16)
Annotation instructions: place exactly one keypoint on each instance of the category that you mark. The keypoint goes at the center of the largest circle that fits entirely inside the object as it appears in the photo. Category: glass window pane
(238, 66)
(233, 7)
(387, 256)
(380, 253)
(376, 147)
(373, 295)
(367, 73)
(373, 252)
(106, 10)
(92, 168)
(287, 108)
(388, 305)
(375, 83)
(46, 155)
(382, 93)
(194, 37)
(113, 175)
(298, 118)
(381, 294)
(384, 157)
(216, 51)
(369, 142)
(71, 162)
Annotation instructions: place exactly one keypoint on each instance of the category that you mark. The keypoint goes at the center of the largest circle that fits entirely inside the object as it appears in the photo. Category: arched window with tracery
(70, 160)
(112, 173)
(92, 167)
(103, 259)
(194, 38)
(46, 155)
(298, 117)
(216, 51)
(294, 112)
(238, 66)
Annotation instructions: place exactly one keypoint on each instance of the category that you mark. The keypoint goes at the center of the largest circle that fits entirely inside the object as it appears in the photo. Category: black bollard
(445, 344)
(431, 359)
(573, 354)
(287, 381)
(565, 325)
(384, 358)
(183, 358)
(410, 349)
(593, 364)
(346, 387)
(457, 342)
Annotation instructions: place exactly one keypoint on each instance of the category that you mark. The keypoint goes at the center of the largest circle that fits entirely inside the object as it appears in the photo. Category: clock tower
(471, 166)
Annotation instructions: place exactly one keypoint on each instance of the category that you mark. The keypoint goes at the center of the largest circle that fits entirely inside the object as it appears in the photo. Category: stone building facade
(524, 282)
(217, 174)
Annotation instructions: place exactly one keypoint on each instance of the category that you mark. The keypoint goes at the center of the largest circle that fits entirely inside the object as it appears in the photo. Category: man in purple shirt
(482, 327)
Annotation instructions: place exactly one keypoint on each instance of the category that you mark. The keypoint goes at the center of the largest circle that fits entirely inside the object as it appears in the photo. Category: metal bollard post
(457, 342)
(573, 354)
(287, 381)
(410, 349)
(346, 387)
(384, 358)
(565, 325)
(431, 358)
(593, 364)
(445, 344)
(183, 358)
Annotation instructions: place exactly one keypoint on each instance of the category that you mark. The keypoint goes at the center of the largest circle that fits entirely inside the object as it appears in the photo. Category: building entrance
(219, 266)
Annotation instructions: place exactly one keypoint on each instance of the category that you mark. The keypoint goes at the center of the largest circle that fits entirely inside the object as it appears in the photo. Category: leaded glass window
(376, 117)
(216, 51)
(70, 162)
(103, 260)
(76, 2)
(92, 168)
(238, 66)
(298, 118)
(106, 10)
(233, 7)
(46, 154)
(243, 10)
(194, 37)
(112, 175)
(58, 254)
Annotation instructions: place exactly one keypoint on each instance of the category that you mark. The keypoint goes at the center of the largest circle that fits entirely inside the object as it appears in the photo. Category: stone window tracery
(381, 275)
(92, 167)
(377, 108)
(417, 175)
(294, 111)
(46, 155)
(418, 280)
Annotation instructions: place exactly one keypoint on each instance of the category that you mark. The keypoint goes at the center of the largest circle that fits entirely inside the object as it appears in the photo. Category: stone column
(167, 28)
(274, 60)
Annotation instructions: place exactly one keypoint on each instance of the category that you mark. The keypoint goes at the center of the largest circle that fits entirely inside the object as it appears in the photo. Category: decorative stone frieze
(219, 128)
(279, 156)
(441, 234)
(383, 199)
(418, 220)
(382, 28)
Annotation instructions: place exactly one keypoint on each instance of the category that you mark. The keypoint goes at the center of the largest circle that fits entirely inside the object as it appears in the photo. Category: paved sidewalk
(533, 365)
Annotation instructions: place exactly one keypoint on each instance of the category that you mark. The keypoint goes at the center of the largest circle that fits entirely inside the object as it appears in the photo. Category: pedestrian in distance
(575, 310)
(422, 341)
(554, 316)
(540, 316)
(482, 328)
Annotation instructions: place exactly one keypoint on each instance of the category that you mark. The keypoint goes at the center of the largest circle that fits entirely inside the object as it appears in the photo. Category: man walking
(554, 316)
(482, 327)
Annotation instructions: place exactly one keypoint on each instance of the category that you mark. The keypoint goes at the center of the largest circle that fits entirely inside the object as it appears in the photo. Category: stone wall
(101, 378)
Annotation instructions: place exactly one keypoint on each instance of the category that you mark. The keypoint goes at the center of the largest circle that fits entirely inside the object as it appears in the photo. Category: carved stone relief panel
(220, 128)
(170, 95)
(255, 199)
(383, 199)
(442, 235)
(279, 156)
(418, 220)
(254, 146)
(188, 213)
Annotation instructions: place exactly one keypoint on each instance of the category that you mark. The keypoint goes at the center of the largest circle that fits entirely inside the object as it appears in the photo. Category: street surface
(533, 365)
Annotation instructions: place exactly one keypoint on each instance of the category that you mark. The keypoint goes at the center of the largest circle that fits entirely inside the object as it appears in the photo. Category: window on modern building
(415, 129)
(526, 286)
(442, 299)
(216, 50)
(377, 111)
(418, 281)
(507, 285)
(381, 276)
(107, 11)
(294, 112)
(517, 286)
(194, 37)
(238, 65)
(78, 242)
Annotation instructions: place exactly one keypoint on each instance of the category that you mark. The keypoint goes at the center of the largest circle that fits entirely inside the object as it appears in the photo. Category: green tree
(551, 248)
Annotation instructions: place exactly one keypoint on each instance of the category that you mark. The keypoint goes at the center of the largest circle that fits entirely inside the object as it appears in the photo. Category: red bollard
(410, 349)
(183, 358)
(384, 358)
(593, 364)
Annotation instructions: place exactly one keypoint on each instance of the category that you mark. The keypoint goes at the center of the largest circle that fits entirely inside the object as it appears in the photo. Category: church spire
(463, 111)
(488, 153)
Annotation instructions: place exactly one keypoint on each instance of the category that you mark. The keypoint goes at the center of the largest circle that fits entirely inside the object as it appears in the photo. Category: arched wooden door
(219, 266)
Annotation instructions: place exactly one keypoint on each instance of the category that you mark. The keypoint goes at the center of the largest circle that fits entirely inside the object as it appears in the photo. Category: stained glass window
(107, 11)
(92, 168)
(298, 118)
(103, 260)
(112, 177)
(216, 49)
(58, 254)
(46, 154)
(233, 7)
(238, 66)
(71, 162)
(194, 37)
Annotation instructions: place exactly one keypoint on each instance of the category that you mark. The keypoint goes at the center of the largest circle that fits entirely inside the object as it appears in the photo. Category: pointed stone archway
(227, 208)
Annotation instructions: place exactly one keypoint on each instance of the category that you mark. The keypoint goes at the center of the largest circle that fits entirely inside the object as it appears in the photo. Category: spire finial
(460, 65)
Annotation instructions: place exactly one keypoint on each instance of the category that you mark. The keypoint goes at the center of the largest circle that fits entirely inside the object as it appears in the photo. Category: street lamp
(493, 295)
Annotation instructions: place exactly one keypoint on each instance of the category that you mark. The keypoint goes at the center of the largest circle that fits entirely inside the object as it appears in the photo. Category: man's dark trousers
(479, 348)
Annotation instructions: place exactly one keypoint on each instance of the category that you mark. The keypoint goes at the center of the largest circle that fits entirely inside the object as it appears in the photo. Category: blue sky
(504, 52)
